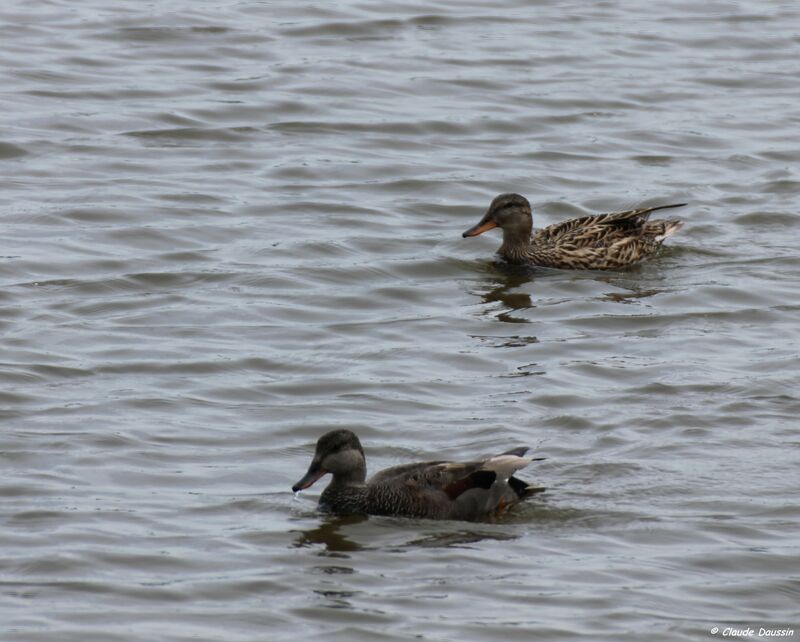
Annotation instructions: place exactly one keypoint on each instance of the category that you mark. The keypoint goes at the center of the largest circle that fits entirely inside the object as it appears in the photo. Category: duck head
(509, 212)
(338, 452)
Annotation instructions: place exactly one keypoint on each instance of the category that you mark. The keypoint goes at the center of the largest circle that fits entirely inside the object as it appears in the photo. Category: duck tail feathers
(506, 465)
(523, 489)
(665, 207)
(667, 228)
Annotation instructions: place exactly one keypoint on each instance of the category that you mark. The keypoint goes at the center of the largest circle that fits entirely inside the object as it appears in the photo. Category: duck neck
(516, 244)
(517, 228)
(354, 476)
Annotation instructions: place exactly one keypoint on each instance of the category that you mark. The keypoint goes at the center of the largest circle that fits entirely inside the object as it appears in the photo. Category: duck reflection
(460, 539)
(438, 535)
(501, 289)
(629, 297)
(327, 533)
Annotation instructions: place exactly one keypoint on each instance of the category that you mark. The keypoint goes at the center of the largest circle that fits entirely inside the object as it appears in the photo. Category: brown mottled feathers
(602, 228)
(604, 241)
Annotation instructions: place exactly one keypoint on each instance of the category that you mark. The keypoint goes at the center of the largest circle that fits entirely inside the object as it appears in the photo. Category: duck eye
(504, 207)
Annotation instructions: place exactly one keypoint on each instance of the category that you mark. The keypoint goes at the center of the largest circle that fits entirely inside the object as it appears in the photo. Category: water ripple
(230, 228)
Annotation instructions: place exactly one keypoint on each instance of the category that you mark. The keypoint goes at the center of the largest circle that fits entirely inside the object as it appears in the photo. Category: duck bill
(480, 228)
(315, 471)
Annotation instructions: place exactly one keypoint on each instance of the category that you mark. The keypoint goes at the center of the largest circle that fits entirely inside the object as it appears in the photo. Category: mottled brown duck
(600, 242)
(477, 490)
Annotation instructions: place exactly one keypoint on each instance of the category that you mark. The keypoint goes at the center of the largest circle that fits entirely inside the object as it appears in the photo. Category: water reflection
(629, 297)
(460, 538)
(512, 341)
(434, 534)
(505, 283)
(327, 533)
(526, 370)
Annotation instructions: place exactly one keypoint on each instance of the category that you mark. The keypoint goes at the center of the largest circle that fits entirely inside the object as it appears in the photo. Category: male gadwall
(601, 242)
(435, 490)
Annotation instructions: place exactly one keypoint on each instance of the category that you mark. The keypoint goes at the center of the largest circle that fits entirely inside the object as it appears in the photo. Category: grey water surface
(230, 226)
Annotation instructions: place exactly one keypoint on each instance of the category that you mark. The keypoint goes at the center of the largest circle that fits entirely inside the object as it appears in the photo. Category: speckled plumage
(600, 242)
(434, 490)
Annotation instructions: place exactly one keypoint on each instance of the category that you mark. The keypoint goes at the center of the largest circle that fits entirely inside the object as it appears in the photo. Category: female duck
(435, 490)
(601, 242)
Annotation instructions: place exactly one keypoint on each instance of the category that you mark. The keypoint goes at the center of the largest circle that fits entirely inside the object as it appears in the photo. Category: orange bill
(480, 228)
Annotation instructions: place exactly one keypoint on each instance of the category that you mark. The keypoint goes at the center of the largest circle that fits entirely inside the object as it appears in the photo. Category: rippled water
(230, 226)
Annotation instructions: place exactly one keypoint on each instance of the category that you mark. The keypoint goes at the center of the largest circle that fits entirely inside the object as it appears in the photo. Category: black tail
(661, 207)
(523, 489)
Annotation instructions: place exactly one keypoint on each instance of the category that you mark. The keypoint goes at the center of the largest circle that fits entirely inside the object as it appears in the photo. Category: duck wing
(451, 490)
(434, 473)
(454, 479)
(603, 229)
(490, 490)
(604, 241)
(400, 473)
(425, 489)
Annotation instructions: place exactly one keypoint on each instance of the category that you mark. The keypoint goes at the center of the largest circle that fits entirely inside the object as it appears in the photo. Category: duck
(470, 491)
(600, 242)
